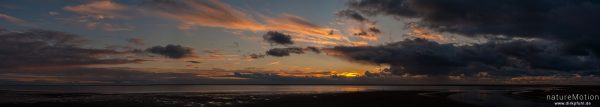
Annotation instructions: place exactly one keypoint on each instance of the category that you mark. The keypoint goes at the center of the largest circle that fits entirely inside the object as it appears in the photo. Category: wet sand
(346, 99)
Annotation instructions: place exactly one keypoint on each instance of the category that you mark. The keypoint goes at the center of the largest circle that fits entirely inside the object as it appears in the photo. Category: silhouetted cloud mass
(281, 52)
(275, 37)
(172, 51)
(505, 57)
(42, 48)
(572, 23)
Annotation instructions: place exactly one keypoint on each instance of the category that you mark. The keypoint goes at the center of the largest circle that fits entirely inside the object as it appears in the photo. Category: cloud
(15, 20)
(502, 57)
(424, 33)
(275, 37)
(365, 29)
(256, 56)
(535, 78)
(97, 15)
(44, 48)
(282, 78)
(204, 13)
(352, 15)
(100, 9)
(195, 62)
(213, 51)
(136, 41)
(217, 14)
(571, 22)
(111, 27)
(81, 75)
(296, 24)
(172, 51)
(313, 49)
(281, 52)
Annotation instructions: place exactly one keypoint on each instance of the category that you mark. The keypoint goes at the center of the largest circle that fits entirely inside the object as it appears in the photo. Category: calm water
(489, 96)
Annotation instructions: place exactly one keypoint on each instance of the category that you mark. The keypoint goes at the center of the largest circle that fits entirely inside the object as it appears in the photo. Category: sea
(489, 96)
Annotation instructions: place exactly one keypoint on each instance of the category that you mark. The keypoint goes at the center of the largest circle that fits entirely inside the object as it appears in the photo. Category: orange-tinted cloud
(421, 32)
(93, 14)
(220, 15)
(205, 13)
(296, 24)
(98, 9)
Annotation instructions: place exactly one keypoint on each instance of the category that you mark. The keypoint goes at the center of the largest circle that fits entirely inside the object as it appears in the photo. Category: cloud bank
(496, 57)
(44, 48)
(570, 22)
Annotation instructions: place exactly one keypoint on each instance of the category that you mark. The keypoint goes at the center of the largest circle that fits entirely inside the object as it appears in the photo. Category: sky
(299, 42)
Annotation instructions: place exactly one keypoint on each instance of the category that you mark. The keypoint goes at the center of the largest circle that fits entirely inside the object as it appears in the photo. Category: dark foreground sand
(350, 99)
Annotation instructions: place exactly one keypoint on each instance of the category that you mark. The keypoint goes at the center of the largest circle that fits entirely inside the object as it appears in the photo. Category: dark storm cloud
(498, 57)
(274, 37)
(172, 51)
(40, 48)
(572, 22)
(281, 52)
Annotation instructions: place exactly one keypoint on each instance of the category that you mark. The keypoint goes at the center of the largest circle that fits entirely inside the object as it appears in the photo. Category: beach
(288, 96)
(349, 99)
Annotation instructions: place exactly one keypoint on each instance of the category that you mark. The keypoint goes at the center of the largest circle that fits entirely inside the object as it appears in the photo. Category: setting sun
(349, 74)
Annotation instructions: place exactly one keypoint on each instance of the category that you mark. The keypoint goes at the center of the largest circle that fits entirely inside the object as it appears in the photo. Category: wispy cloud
(360, 26)
(101, 9)
(204, 13)
(214, 13)
(15, 20)
(93, 15)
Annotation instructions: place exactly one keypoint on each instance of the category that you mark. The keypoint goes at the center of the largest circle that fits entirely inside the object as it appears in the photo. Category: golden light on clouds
(217, 14)
(424, 33)
(99, 9)
(349, 74)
